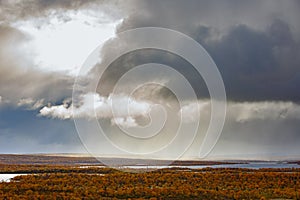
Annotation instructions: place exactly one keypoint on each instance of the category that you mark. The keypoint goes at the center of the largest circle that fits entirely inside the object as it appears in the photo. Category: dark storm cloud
(140, 57)
(185, 16)
(258, 65)
(255, 45)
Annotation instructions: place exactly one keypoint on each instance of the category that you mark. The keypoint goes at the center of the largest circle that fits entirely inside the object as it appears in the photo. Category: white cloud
(60, 111)
(124, 122)
(121, 109)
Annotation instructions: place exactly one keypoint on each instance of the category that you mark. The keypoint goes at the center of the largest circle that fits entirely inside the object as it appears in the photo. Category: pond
(7, 177)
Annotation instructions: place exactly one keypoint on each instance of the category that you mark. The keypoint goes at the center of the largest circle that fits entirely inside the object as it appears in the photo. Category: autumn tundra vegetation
(75, 182)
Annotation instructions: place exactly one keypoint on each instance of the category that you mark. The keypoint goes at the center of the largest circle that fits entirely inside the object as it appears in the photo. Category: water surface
(8, 177)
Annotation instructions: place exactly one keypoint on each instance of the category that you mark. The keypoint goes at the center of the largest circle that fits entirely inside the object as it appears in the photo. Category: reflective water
(250, 165)
(7, 177)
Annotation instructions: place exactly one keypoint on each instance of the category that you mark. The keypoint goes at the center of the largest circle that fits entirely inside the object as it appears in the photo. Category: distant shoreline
(47, 159)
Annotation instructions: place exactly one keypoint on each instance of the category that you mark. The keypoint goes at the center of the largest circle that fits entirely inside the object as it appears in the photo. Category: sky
(55, 82)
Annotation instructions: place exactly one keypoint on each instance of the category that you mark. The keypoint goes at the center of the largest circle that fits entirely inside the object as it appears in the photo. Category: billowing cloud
(255, 45)
(121, 109)
(60, 111)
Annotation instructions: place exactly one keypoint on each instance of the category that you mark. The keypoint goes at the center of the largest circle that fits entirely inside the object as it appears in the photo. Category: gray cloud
(185, 16)
(258, 65)
(16, 10)
(255, 45)
(155, 92)
(20, 79)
